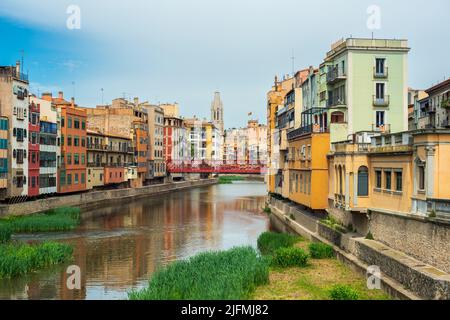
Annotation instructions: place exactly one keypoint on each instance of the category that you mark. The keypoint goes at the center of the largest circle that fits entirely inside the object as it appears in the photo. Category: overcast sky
(184, 50)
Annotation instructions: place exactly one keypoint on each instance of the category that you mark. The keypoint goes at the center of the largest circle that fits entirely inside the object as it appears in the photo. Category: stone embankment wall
(424, 274)
(98, 197)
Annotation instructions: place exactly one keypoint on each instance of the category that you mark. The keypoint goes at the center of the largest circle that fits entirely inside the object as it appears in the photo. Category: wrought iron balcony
(383, 74)
(333, 103)
(381, 102)
(335, 74)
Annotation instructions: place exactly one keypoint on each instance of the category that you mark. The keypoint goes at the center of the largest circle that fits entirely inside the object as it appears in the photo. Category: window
(76, 178)
(69, 158)
(83, 142)
(62, 140)
(83, 178)
(363, 182)
(422, 178)
(379, 66)
(69, 123)
(380, 90)
(76, 159)
(69, 179)
(388, 180)
(337, 117)
(399, 181)
(380, 118)
(379, 179)
(83, 158)
(83, 125)
(76, 141)
(62, 122)
(69, 141)
(76, 124)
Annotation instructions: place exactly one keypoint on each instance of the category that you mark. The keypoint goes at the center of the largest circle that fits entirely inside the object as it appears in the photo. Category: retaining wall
(98, 197)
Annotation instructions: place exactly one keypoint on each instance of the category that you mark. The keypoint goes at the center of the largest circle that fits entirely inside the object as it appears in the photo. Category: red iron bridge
(223, 167)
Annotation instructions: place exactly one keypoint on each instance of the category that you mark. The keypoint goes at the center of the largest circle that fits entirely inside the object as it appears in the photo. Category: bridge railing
(217, 166)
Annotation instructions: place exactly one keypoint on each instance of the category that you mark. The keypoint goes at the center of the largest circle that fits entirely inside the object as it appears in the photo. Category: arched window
(363, 182)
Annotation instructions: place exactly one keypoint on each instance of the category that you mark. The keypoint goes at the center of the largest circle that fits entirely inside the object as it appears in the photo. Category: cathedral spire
(217, 112)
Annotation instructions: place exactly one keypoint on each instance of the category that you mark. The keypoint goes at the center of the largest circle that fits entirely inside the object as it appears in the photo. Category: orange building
(72, 162)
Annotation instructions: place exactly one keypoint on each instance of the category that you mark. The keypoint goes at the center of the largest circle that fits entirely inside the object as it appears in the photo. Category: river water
(118, 248)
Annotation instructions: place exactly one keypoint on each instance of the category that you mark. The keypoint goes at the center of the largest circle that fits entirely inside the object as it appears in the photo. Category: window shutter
(14, 153)
(14, 132)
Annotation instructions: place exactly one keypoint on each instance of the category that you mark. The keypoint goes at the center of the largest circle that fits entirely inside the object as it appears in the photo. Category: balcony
(381, 102)
(335, 75)
(384, 128)
(336, 103)
(383, 74)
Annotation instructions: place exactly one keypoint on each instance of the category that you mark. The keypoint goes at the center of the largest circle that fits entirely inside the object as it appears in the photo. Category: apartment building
(109, 158)
(246, 145)
(34, 129)
(402, 173)
(204, 141)
(72, 162)
(49, 150)
(175, 135)
(14, 106)
(367, 86)
(127, 119)
(434, 108)
(4, 135)
(156, 137)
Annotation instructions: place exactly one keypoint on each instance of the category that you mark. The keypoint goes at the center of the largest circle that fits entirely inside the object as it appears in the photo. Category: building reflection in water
(119, 247)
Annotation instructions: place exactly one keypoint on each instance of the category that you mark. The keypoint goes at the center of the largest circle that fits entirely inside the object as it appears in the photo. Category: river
(118, 248)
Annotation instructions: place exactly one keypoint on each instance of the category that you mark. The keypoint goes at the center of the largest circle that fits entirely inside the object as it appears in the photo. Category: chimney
(18, 68)
(61, 95)
(47, 96)
(73, 101)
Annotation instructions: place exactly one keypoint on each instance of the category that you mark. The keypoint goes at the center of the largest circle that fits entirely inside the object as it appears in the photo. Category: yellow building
(308, 168)
(403, 173)
(204, 140)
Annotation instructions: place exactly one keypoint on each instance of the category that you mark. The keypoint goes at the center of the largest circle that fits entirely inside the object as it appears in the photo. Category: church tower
(217, 112)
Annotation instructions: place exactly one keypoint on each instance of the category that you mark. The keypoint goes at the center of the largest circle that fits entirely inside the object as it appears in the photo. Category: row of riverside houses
(350, 137)
(50, 145)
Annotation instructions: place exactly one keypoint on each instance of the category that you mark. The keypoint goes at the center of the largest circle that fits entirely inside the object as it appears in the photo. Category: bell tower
(217, 112)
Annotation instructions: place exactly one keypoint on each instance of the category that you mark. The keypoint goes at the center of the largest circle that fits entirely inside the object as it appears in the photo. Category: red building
(33, 149)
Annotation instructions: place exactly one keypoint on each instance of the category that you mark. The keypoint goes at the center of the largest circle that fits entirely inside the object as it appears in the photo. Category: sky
(166, 51)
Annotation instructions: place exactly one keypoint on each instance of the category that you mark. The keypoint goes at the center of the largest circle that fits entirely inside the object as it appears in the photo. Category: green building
(367, 86)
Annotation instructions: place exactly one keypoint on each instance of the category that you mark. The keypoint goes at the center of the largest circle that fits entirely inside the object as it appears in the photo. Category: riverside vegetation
(284, 267)
(20, 258)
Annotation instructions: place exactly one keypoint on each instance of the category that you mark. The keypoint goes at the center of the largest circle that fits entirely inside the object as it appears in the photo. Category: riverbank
(97, 198)
(401, 276)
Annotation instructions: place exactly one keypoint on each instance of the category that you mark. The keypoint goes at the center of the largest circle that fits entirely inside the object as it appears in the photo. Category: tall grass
(229, 179)
(224, 275)
(290, 257)
(60, 219)
(269, 242)
(5, 233)
(320, 250)
(19, 259)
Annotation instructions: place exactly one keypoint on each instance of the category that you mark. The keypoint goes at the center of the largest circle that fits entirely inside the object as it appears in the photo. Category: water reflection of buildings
(120, 247)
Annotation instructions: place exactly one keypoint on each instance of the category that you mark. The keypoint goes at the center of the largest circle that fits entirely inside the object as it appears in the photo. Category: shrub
(267, 210)
(335, 225)
(229, 179)
(321, 251)
(343, 292)
(5, 233)
(60, 219)
(19, 259)
(225, 275)
(290, 257)
(369, 236)
(268, 242)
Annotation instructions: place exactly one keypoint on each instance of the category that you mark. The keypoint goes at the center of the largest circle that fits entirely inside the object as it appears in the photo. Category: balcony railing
(380, 74)
(335, 75)
(306, 129)
(385, 128)
(336, 103)
(381, 102)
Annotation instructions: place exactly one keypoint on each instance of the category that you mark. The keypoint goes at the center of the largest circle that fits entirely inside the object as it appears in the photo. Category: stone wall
(425, 239)
(98, 197)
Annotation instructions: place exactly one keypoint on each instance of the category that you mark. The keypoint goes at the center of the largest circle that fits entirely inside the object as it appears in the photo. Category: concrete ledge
(97, 198)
